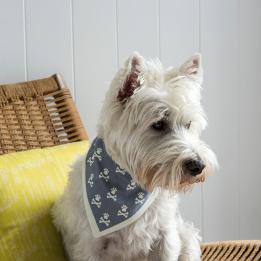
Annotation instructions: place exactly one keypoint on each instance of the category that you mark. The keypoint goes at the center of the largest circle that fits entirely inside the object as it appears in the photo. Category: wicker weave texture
(245, 250)
(38, 114)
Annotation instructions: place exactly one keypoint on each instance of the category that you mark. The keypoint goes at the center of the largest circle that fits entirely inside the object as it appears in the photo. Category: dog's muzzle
(193, 167)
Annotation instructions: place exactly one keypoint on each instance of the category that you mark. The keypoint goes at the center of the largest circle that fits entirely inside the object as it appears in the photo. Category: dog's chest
(153, 224)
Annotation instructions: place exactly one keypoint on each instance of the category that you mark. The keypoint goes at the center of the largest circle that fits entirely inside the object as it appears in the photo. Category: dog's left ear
(193, 68)
(135, 67)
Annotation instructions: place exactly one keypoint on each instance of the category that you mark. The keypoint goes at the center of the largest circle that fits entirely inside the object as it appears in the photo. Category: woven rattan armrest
(245, 250)
(38, 114)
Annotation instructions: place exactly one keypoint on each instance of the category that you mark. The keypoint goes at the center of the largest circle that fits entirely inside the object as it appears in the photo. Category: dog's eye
(160, 125)
(187, 126)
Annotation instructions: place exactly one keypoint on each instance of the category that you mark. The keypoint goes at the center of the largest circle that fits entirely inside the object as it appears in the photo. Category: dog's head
(151, 123)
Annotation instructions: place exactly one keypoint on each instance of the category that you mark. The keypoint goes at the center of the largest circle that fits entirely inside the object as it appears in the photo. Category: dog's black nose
(194, 167)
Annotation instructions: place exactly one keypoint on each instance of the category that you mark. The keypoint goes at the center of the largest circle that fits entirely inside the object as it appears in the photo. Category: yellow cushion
(30, 182)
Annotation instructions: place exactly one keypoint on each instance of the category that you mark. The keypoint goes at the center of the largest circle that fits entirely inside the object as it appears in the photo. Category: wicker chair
(246, 250)
(38, 114)
(41, 113)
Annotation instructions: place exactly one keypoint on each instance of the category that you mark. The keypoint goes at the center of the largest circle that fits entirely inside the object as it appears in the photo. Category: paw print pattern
(90, 180)
(97, 155)
(121, 171)
(131, 185)
(104, 175)
(123, 211)
(96, 200)
(105, 219)
(140, 198)
(112, 194)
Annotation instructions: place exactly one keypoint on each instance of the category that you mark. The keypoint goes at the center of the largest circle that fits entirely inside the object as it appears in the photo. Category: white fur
(154, 160)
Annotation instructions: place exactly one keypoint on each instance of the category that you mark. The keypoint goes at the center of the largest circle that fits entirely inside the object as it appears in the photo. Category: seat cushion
(30, 182)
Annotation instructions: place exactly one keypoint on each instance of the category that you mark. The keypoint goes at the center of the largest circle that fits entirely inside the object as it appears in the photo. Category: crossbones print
(112, 194)
(105, 219)
(97, 155)
(104, 175)
(122, 171)
(90, 180)
(131, 185)
(140, 198)
(96, 200)
(123, 211)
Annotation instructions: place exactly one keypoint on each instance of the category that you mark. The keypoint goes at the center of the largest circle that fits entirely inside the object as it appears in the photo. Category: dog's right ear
(135, 66)
(192, 68)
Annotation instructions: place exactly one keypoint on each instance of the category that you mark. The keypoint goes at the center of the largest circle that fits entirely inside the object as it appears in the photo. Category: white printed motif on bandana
(140, 198)
(105, 219)
(90, 180)
(119, 170)
(104, 175)
(123, 211)
(112, 194)
(96, 201)
(131, 185)
(96, 154)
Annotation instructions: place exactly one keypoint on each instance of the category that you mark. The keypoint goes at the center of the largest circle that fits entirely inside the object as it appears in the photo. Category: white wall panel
(179, 38)
(137, 28)
(179, 30)
(49, 39)
(12, 47)
(94, 26)
(219, 43)
(250, 119)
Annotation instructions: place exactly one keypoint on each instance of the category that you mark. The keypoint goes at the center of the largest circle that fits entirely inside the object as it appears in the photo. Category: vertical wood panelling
(137, 28)
(12, 51)
(250, 119)
(179, 30)
(219, 40)
(179, 38)
(49, 39)
(94, 25)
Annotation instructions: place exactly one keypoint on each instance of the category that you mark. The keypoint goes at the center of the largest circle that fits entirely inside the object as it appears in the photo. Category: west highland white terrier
(121, 201)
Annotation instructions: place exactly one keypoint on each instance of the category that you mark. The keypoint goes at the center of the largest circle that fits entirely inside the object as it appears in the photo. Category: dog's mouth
(187, 182)
(181, 181)
(188, 179)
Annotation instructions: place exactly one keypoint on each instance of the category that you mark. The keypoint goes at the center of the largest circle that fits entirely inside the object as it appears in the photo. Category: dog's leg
(190, 238)
(168, 248)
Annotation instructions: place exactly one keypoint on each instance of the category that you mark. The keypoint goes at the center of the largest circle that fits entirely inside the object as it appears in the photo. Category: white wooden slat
(12, 52)
(179, 30)
(219, 43)
(49, 39)
(94, 26)
(179, 39)
(137, 28)
(250, 119)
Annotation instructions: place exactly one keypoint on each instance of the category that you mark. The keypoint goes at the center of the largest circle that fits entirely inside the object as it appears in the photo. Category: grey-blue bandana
(112, 198)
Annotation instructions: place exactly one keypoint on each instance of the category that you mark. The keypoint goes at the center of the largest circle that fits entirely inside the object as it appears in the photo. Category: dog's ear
(135, 67)
(193, 68)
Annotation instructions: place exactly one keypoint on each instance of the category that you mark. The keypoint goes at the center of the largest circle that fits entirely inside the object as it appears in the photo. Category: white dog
(121, 202)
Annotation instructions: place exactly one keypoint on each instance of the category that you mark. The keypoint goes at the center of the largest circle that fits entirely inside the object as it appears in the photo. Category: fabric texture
(30, 182)
(112, 198)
